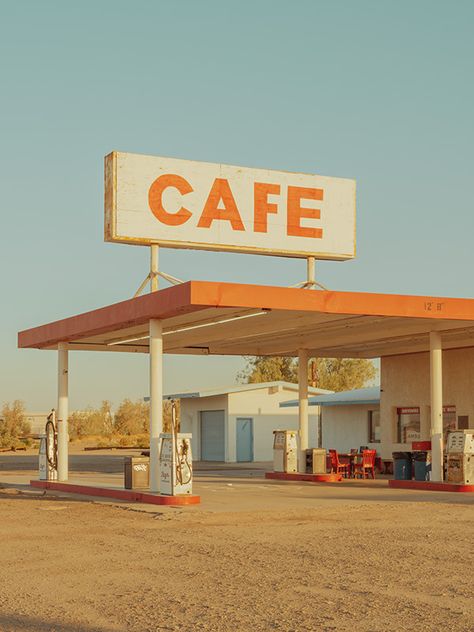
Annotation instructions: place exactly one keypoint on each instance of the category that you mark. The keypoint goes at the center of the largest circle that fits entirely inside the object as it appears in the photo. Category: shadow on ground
(19, 623)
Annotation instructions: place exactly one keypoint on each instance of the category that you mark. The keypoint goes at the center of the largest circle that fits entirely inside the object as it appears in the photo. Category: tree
(13, 423)
(342, 374)
(266, 369)
(333, 374)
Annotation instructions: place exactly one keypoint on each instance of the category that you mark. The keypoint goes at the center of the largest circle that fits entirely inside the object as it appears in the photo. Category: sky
(379, 91)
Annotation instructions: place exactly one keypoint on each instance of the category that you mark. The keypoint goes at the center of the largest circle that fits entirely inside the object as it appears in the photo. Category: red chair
(366, 464)
(337, 466)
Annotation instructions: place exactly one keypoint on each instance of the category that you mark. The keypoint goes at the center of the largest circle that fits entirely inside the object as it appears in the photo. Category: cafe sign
(186, 204)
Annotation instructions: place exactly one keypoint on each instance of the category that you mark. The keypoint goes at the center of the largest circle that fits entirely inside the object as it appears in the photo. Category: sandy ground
(324, 558)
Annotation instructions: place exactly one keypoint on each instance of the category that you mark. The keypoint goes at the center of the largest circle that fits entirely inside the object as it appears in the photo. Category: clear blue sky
(379, 91)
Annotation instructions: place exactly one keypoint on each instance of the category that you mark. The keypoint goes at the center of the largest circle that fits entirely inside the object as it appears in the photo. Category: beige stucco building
(405, 396)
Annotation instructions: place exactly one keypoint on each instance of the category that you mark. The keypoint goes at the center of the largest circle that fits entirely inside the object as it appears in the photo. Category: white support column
(62, 417)
(436, 381)
(156, 400)
(303, 407)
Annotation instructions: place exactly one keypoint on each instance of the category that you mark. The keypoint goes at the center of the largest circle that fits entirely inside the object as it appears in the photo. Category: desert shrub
(13, 423)
(132, 418)
(92, 421)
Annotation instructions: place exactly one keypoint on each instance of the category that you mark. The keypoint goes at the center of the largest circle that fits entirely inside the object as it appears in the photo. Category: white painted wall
(263, 406)
(37, 422)
(346, 427)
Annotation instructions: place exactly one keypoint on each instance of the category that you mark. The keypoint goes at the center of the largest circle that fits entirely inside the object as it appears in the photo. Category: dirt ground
(350, 560)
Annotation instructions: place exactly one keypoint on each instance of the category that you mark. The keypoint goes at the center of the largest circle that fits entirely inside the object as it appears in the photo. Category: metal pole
(303, 407)
(311, 274)
(154, 251)
(62, 424)
(436, 383)
(156, 400)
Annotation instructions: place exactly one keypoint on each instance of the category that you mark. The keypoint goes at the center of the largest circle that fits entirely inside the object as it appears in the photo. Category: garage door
(212, 435)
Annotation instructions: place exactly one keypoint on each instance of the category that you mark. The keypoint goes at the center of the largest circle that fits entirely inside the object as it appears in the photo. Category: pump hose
(50, 430)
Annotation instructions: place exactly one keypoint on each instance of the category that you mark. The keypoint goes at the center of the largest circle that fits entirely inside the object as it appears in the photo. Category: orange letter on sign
(220, 191)
(261, 205)
(296, 213)
(155, 195)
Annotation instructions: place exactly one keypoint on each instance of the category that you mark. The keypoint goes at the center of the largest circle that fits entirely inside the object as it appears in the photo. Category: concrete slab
(235, 490)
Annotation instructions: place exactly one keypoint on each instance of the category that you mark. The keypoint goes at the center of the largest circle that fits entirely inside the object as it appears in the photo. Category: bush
(13, 423)
(132, 418)
(93, 421)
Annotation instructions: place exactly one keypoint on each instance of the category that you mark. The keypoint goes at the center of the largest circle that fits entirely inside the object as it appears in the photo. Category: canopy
(236, 319)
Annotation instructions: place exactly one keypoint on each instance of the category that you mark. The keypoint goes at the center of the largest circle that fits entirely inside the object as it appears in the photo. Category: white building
(37, 422)
(236, 424)
(349, 419)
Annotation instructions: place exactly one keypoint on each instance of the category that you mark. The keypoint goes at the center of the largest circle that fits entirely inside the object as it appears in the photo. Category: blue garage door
(212, 435)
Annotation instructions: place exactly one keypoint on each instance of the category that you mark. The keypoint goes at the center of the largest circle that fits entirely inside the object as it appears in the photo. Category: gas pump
(176, 463)
(48, 450)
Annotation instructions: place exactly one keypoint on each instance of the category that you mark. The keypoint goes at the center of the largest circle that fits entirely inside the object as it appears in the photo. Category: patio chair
(337, 466)
(366, 465)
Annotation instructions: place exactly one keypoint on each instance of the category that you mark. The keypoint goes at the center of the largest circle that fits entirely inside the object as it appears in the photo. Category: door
(212, 435)
(244, 435)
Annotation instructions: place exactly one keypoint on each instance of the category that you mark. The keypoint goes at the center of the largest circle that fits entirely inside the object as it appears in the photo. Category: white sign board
(185, 204)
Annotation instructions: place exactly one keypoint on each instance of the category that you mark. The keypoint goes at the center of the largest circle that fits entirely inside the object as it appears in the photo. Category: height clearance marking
(186, 204)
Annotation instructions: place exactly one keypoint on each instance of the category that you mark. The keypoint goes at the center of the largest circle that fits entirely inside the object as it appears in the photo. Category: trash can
(402, 466)
(136, 471)
(316, 461)
(422, 465)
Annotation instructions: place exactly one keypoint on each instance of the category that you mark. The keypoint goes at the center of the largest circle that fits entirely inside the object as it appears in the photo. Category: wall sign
(186, 204)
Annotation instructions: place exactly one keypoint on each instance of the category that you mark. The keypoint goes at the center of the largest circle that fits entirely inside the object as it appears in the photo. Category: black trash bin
(402, 466)
(422, 465)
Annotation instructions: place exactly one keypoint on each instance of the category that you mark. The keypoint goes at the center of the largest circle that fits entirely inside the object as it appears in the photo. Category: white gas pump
(48, 451)
(460, 456)
(176, 462)
(285, 451)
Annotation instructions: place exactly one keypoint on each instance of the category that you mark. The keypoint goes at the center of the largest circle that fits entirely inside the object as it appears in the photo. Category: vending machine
(285, 451)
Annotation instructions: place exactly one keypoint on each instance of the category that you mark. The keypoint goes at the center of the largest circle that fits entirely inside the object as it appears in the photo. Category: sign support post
(154, 254)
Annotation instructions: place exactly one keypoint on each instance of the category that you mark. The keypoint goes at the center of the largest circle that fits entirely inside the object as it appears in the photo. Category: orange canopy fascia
(217, 318)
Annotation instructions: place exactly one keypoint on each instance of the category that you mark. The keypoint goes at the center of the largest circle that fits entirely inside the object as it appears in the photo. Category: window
(374, 426)
(408, 424)
(449, 420)
(463, 422)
